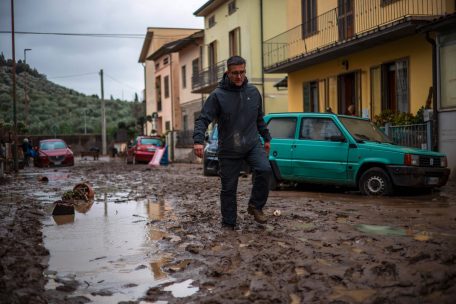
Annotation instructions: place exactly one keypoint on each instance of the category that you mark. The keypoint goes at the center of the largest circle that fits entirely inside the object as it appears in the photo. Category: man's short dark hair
(235, 60)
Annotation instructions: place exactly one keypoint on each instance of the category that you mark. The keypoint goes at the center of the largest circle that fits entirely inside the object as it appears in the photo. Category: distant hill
(56, 109)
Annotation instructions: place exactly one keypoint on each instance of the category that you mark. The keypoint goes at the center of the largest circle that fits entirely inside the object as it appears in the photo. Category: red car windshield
(151, 141)
(52, 145)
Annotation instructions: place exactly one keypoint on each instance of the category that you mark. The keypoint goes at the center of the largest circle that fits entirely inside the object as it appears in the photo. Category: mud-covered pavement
(154, 236)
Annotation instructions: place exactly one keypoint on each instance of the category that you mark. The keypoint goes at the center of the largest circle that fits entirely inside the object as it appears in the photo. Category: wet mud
(319, 245)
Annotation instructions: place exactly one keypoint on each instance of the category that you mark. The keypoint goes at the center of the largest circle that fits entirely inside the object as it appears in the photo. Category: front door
(345, 19)
(316, 158)
(348, 87)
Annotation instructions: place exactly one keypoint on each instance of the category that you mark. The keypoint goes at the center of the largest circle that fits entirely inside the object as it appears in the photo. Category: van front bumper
(408, 176)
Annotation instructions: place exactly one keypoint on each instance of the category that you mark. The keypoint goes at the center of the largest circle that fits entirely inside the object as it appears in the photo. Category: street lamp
(26, 103)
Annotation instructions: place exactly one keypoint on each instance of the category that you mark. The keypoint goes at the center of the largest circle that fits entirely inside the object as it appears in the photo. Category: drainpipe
(171, 83)
(262, 56)
(435, 117)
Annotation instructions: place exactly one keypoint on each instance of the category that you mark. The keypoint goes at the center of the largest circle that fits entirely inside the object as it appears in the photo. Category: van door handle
(274, 153)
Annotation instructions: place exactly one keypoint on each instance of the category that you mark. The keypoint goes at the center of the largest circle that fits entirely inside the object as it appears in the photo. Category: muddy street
(154, 236)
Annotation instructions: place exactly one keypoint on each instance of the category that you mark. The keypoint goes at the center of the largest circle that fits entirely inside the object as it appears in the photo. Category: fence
(417, 136)
(184, 139)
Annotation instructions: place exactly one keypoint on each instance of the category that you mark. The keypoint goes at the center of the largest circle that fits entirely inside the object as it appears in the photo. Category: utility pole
(103, 117)
(15, 162)
(26, 99)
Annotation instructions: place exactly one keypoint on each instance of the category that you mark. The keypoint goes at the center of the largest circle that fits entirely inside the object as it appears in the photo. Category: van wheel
(375, 182)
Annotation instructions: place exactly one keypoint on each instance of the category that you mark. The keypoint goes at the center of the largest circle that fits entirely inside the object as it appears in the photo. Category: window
(386, 2)
(166, 85)
(157, 65)
(309, 17)
(318, 129)
(195, 66)
(282, 127)
(310, 91)
(211, 21)
(165, 61)
(232, 7)
(395, 88)
(235, 42)
(158, 95)
(184, 76)
(167, 125)
(345, 19)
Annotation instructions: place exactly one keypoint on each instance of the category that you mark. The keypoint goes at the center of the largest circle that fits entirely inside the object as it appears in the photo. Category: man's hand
(267, 147)
(198, 150)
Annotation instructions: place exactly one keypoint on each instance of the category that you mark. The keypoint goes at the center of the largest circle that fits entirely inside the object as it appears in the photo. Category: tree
(136, 97)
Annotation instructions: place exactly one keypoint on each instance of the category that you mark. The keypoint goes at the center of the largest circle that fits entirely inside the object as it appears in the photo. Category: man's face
(236, 73)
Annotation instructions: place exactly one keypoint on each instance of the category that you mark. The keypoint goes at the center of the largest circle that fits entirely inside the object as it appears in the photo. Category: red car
(53, 152)
(143, 149)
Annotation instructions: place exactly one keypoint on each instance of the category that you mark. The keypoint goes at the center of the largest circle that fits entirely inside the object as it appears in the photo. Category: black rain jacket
(239, 115)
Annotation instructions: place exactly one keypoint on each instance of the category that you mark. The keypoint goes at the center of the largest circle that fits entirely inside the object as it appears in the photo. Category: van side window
(318, 129)
(282, 127)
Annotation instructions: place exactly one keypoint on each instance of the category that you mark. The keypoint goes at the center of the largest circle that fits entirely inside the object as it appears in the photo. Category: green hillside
(56, 109)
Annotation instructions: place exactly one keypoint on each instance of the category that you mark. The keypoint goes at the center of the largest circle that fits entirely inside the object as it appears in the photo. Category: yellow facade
(415, 49)
(328, 66)
(247, 18)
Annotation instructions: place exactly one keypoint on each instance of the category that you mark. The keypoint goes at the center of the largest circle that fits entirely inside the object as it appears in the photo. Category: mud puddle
(108, 252)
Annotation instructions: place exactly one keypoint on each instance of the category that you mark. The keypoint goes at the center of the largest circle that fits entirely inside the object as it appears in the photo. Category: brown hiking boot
(259, 216)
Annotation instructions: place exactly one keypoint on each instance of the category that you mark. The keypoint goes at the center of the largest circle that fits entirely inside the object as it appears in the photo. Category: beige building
(238, 27)
(157, 105)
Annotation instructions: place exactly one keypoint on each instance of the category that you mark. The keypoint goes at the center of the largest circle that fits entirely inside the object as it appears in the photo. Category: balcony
(339, 32)
(207, 79)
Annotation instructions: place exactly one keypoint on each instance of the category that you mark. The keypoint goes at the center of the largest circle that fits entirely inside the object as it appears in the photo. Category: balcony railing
(208, 78)
(331, 29)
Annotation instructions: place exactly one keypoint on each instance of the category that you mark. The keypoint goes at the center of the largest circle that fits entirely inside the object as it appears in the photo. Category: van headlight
(443, 162)
(411, 160)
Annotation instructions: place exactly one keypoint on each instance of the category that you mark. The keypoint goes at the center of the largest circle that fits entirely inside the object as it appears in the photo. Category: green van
(344, 150)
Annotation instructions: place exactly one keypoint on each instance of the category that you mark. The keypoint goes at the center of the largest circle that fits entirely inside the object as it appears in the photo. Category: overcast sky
(62, 56)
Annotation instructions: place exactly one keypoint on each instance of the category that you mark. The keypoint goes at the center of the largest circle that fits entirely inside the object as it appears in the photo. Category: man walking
(236, 106)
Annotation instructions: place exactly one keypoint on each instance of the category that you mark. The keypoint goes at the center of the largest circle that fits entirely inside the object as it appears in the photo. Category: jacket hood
(226, 84)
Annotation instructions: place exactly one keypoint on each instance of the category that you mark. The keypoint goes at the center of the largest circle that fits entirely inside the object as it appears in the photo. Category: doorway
(348, 92)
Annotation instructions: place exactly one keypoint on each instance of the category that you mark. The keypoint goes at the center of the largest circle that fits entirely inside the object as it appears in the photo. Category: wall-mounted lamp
(345, 64)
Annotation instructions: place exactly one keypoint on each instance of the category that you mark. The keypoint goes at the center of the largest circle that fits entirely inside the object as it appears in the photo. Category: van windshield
(364, 130)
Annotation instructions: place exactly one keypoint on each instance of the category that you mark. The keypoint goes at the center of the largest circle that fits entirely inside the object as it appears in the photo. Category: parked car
(210, 156)
(143, 149)
(348, 151)
(53, 152)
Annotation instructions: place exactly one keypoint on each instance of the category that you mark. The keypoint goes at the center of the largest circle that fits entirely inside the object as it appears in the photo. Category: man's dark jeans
(229, 173)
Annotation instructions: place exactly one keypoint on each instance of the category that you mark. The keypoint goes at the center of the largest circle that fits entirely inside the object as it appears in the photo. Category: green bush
(399, 118)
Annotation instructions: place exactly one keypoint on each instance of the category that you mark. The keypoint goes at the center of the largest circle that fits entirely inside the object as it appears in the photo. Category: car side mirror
(337, 138)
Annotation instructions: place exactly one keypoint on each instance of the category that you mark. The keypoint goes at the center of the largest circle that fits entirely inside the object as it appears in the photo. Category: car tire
(375, 182)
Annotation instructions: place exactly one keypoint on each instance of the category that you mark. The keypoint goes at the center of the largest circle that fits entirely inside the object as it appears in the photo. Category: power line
(72, 76)
(112, 78)
(97, 35)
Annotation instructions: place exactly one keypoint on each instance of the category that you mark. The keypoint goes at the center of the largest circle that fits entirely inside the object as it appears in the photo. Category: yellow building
(369, 53)
(238, 27)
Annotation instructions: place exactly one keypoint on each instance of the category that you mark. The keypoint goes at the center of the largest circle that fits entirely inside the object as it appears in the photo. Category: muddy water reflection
(111, 248)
